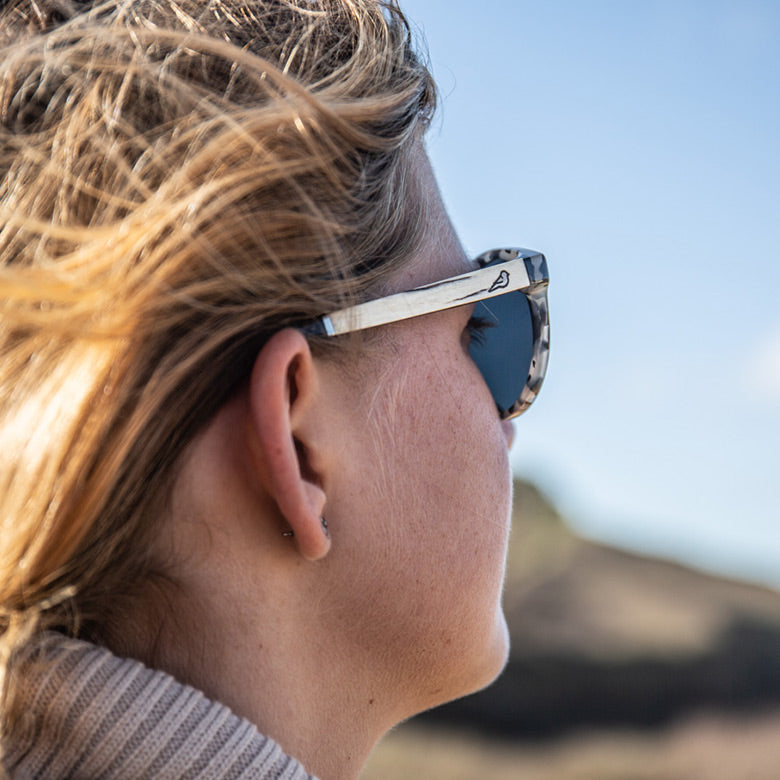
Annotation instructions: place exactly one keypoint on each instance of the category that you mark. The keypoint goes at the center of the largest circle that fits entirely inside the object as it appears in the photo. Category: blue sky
(636, 144)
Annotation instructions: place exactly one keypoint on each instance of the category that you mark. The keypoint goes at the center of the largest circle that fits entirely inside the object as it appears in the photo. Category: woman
(231, 533)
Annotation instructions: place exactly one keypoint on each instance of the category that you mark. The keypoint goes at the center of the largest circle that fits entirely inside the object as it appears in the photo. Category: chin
(495, 657)
(484, 664)
(476, 666)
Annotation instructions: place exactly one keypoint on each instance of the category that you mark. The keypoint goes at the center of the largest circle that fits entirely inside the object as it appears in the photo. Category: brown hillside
(568, 595)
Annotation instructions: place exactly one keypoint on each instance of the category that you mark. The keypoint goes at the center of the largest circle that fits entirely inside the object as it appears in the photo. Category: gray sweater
(91, 715)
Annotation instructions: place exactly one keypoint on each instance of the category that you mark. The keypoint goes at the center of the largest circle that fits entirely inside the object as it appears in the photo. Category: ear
(283, 400)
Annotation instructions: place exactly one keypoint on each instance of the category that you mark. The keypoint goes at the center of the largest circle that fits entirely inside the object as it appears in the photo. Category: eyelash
(476, 327)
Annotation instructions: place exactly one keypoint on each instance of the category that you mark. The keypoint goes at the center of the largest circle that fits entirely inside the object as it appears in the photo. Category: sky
(636, 145)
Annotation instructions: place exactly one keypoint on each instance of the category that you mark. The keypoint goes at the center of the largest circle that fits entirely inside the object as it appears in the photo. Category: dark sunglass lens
(504, 349)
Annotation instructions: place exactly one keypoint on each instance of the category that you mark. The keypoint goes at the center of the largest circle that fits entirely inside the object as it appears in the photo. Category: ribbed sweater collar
(91, 715)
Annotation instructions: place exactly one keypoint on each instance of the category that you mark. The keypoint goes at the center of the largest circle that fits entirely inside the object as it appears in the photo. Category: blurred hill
(603, 637)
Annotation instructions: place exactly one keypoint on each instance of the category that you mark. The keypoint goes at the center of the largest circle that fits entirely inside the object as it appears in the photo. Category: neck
(287, 680)
(257, 627)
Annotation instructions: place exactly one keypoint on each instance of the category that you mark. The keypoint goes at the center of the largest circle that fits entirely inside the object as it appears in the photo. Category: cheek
(450, 513)
(429, 497)
(451, 477)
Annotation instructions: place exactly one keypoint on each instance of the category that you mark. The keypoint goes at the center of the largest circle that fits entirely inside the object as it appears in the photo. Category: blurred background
(636, 145)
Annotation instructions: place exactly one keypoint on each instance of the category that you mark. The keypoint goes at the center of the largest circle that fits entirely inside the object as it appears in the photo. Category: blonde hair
(178, 180)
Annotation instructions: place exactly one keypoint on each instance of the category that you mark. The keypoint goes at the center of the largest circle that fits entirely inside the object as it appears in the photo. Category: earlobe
(283, 398)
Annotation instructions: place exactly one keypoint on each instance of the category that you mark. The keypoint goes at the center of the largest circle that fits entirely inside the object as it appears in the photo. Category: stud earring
(289, 534)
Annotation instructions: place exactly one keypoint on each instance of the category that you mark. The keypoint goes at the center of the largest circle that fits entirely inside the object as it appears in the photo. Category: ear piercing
(289, 534)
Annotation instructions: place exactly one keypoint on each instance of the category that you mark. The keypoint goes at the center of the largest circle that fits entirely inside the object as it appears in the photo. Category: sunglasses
(509, 327)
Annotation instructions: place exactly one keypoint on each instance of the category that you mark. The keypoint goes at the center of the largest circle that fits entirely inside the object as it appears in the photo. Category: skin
(326, 643)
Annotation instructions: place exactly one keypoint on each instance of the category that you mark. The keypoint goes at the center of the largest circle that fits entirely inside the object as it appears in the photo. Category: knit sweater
(93, 715)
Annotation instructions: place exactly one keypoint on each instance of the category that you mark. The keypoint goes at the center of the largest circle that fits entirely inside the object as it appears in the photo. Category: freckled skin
(433, 504)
